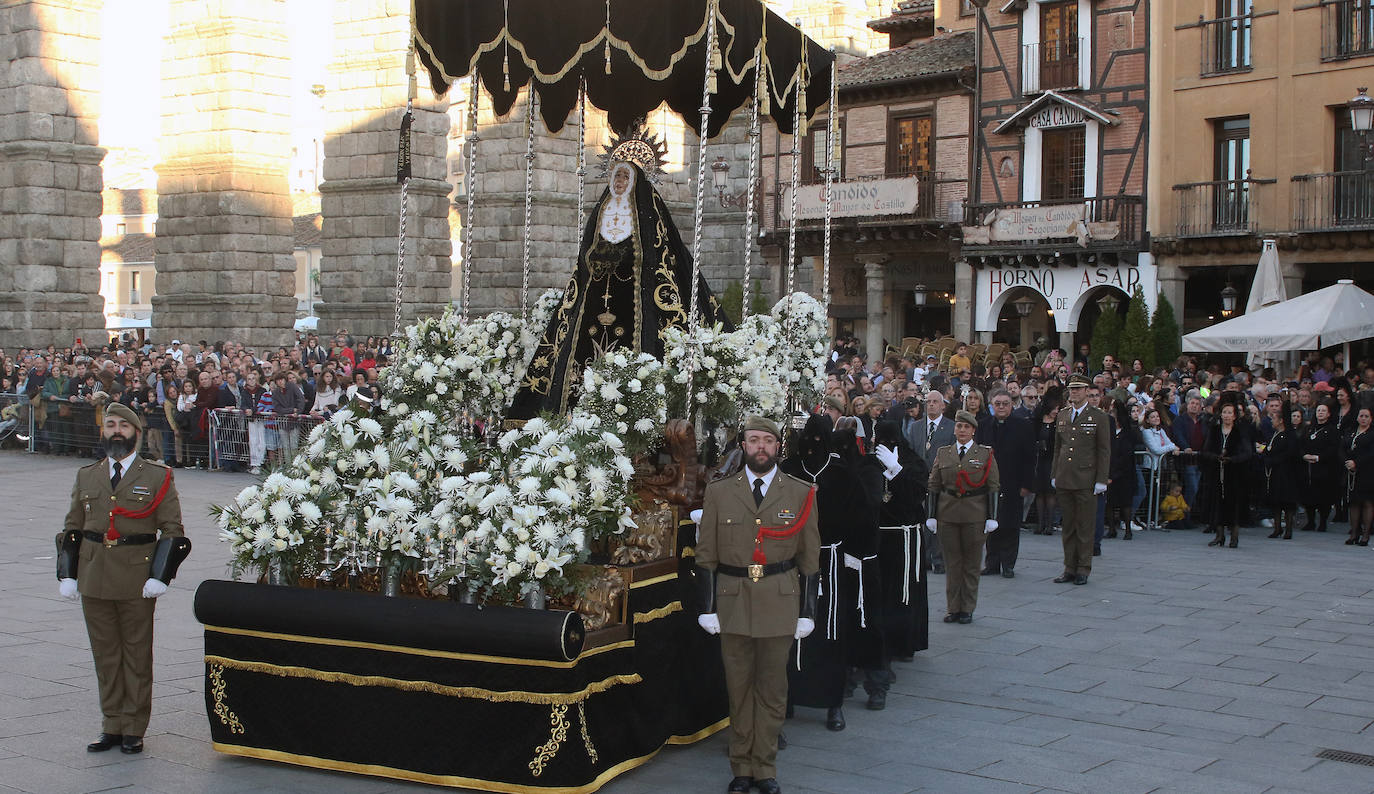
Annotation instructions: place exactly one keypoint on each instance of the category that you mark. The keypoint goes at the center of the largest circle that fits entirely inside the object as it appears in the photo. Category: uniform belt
(122, 540)
(958, 495)
(756, 572)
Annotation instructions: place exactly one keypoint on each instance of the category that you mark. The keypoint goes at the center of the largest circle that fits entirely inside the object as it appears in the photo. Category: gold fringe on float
(476, 693)
(655, 614)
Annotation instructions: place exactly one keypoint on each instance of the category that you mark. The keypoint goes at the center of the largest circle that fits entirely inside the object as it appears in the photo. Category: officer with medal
(758, 558)
(120, 547)
(963, 492)
(1082, 459)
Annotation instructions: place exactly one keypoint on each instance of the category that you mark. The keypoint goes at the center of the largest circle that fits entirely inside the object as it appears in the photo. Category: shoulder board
(100, 462)
(156, 464)
(797, 480)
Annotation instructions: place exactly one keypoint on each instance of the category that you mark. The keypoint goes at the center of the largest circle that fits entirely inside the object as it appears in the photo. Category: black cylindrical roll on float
(409, 622)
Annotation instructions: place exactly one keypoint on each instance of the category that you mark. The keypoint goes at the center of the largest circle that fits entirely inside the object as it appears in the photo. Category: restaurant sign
(855, 199)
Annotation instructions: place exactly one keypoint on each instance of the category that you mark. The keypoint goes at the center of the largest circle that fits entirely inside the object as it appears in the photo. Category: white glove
(1052, 485)
(696, 516)
(850, 561)
(989, 526)
(153, 588)
(1099, 488)
(930, 524)
(710, 622)
(67, 589)
(804, 628)
(888, 456)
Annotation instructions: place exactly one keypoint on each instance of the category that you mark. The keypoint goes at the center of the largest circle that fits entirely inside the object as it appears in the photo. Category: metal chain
(529, 205)
(401, 243)
(582, 155)
(754, 135)
(692, 321)
(470, 177)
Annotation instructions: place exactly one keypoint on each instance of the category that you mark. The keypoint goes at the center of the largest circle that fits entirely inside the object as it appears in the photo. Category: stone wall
(50, 180)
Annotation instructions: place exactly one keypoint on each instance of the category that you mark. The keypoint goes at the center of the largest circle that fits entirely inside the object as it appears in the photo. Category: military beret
(762, 424)
(835, 402)
(966, 417)
(1079, 379)
(126, 413)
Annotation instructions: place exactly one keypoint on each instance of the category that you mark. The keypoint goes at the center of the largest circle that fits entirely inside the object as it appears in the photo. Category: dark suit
(757, 619)
(1013, 444)
(119, 620)
(918, 436)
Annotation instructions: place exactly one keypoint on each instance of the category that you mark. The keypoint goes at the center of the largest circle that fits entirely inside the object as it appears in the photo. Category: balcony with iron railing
(1053, 65)
(1107, 222)
(1347, 29)
(1335, 201)
(1220, 208)
(1226, 45)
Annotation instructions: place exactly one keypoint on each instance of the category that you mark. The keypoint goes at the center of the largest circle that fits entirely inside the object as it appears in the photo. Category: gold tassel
(505, 69)
(716, 60)
(608, 52)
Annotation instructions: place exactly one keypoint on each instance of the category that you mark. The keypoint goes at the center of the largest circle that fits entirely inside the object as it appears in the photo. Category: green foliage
(1136, 341)
(1168, 340)
(1105, 339)
(732, 300)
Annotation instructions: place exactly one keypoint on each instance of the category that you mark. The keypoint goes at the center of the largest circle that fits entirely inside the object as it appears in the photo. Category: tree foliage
(1105, 339)
(1136, 341)
(1165, 333)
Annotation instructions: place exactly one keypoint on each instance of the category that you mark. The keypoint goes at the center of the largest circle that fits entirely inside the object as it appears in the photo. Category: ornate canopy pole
(582, 154)
(754, 135)
(713, 62)
(832, 160)
(403, 176)
(470, 183)
(529, 204)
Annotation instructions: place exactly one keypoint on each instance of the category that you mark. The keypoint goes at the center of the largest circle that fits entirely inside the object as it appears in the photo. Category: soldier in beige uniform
(1082, 459)
(758, 557)
(109, 554)
(963, 502)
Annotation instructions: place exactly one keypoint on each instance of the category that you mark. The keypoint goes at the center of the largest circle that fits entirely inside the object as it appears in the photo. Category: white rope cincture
(749, 209)
(529, 205)
(470, 178)
(401, 240)
(706, 89)
(832, 619)
(831, 169)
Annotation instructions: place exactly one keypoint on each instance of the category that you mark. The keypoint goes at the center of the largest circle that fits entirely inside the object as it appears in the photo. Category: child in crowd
(1174, 509)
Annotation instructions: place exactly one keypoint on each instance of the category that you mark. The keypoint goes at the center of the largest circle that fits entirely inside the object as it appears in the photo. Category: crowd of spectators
(257, 399)
(1226, 446)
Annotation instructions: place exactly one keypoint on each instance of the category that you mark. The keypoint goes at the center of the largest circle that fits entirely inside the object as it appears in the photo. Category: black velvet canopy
(658, 52)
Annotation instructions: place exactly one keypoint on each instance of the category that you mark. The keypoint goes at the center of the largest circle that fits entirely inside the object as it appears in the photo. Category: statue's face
(620, 181)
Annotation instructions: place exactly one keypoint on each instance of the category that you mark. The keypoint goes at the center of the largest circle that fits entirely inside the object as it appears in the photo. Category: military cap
(966, 417)
(762, 424)
(1079, 379)
(126, 413)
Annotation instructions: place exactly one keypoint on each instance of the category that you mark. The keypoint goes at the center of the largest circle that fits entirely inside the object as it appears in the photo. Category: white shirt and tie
(761, 483)
(120, 468)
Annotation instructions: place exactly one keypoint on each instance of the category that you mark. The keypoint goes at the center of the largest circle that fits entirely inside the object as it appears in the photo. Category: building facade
(900, 186)
(1259, 145)
(1056, 219)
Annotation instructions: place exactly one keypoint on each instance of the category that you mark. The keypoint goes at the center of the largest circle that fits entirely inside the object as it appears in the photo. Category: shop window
(910, 145)
(1062, 163)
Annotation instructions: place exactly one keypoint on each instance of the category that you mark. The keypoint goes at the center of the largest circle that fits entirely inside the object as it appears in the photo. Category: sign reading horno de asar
(855, 199)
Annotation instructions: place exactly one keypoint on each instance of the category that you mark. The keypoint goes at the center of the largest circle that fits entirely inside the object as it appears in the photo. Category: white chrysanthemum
(310, 512)
(609, 392)
(370, 427)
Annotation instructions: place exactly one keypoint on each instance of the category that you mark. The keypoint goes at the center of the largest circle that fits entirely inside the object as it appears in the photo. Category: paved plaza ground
(1178, 668)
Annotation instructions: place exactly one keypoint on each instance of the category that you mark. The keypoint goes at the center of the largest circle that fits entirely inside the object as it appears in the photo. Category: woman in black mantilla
(632, 281)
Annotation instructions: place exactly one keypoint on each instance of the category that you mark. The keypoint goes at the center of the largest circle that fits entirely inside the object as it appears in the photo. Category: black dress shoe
(989, 572)
(1064, 578)
(1008, 574)
(907, 659)
(1080, 580)
(768, 786)
(1097, 551)
(131, 745)
(965, 618)
(782, 740)
(951, 617)
(104, 742)
(877, 701)
(834, 719)
(740, 785)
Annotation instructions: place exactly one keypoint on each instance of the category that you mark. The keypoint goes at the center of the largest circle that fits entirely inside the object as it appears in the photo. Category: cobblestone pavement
(1178, 668)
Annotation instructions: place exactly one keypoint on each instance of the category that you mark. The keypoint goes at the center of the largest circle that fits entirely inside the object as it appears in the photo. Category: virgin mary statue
(632, 282)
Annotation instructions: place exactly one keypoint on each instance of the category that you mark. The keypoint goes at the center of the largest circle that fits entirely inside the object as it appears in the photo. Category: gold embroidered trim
(544, 753)
(467, 657)
(667, 577)
(217, 687)
(586, 736)
(709, 730)
(476, 693)
(655, 614)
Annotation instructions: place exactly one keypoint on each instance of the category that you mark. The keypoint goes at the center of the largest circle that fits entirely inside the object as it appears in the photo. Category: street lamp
(1228, 299)
(919, 295)
(1108, 303)
(720, 179)
(1361, 112)
(1023, 306)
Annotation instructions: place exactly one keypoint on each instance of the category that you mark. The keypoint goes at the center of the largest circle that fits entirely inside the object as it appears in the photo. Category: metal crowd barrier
(1148, 513)
(242, 441)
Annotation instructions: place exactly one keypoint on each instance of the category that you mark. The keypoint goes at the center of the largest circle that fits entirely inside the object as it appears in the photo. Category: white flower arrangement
(627, 392)
(274, 520)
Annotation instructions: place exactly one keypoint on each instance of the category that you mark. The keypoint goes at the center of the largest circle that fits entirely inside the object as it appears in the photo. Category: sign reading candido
(855, 199)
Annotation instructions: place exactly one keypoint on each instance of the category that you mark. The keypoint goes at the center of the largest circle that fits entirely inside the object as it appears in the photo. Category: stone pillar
(1171, 279)
(962, 313)
(365, 98)
(225, 268)
(1067, 345)
(875, 276)
(50, 178)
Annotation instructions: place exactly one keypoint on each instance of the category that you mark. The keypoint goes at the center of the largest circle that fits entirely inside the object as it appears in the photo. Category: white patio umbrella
(1266, 290)
(1340, 313)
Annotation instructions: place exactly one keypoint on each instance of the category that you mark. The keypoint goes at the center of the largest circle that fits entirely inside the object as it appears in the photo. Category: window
(1062, 160)
(133, 287)
(121, 229)
(910, 144)
(1347, 28)
(1226, 40)
(966, 8)
(1059, 45)
(813, 149)
(1353, 185)
(1231, 171)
